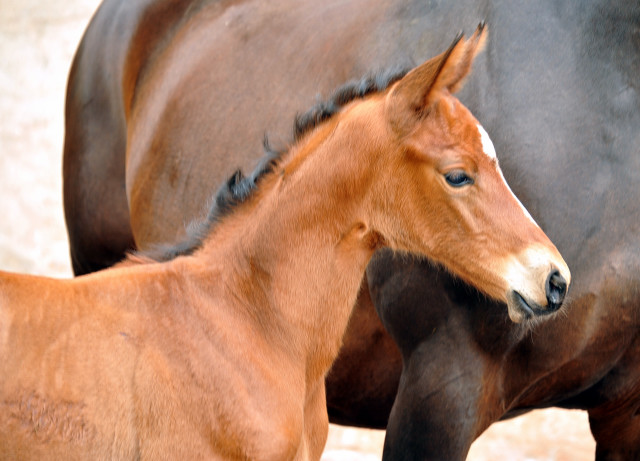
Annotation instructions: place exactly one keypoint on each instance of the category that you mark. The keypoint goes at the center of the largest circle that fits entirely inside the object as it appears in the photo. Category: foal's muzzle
(555, 288)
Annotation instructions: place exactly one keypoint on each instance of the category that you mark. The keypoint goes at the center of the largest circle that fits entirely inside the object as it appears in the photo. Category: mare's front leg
(435, 415)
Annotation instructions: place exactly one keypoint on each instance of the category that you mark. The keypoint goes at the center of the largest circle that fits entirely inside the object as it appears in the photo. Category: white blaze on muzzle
(528, 273)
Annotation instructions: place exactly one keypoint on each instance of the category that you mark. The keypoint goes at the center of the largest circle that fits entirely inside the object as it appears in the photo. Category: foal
(222, 354)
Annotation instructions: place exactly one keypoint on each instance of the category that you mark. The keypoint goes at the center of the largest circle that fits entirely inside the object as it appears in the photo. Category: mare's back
(581, 111)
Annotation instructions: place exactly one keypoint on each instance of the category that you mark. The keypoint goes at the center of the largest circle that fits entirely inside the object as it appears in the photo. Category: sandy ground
(37, 42)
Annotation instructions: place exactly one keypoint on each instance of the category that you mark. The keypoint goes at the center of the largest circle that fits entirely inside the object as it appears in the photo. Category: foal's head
(438, 188)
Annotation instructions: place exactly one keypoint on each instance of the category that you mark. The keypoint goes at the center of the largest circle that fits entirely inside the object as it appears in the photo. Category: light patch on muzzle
(527, 275)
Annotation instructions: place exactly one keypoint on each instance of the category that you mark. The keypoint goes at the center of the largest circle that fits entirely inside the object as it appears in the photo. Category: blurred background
(37, 42)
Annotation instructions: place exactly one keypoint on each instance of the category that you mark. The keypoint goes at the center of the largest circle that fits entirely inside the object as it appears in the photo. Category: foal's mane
(239, 188)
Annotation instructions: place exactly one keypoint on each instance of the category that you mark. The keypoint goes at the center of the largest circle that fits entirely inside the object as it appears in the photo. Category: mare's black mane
(238, 188)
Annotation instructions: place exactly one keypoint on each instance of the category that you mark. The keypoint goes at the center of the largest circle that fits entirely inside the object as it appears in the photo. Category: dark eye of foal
(458, 178)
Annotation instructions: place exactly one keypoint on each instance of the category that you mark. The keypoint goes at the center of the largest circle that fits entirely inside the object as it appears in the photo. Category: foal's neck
(299, 251)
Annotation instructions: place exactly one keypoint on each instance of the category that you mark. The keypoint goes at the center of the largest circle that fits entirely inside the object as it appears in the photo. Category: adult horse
(558, 91)
(222, 353)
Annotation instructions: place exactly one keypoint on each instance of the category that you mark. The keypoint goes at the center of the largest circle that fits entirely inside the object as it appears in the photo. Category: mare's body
(222, 353)
(558, 91)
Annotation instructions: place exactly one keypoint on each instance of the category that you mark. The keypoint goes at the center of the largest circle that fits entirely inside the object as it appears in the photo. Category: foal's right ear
(423, 87)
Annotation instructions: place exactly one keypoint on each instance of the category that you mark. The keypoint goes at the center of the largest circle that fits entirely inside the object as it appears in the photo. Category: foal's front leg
(316, 424)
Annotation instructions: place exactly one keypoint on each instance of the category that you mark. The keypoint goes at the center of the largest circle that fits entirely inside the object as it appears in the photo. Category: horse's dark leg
(434, 415)
(95, 202)
(615, 423)
(435, 412)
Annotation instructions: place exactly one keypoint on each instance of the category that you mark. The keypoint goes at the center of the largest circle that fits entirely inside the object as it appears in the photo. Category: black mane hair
(238, 188)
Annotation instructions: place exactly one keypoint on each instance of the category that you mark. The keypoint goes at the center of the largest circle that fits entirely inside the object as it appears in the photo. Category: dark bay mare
(222, 353)
(167, 98)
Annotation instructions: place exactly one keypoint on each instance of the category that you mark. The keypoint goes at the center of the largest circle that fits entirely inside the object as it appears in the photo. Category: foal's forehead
(467, 130)
(487, 145)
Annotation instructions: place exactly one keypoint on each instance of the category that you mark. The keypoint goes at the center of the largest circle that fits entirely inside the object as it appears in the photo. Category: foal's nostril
(556, 290)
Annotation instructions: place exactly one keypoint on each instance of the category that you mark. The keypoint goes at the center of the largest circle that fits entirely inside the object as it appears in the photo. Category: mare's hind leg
(615, 423)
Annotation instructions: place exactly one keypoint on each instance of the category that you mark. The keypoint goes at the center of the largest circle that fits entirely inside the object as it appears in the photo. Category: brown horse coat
(559, 91)
(222, 354)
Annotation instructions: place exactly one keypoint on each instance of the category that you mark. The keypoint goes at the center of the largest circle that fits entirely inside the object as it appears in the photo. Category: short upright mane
(239, 188)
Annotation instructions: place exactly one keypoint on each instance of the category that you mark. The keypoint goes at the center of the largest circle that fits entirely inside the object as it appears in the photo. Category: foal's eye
(458, 178)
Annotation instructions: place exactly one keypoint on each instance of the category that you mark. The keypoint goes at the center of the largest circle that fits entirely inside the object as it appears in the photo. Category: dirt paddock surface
(37, 42)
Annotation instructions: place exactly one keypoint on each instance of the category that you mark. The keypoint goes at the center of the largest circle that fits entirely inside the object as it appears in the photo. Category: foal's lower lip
(529, 310)
(526, 309)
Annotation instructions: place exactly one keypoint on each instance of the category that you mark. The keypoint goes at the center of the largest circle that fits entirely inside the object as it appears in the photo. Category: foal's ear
(425, 85)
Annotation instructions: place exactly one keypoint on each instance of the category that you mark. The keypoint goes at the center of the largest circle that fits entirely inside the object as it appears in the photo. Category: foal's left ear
(421, 88)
